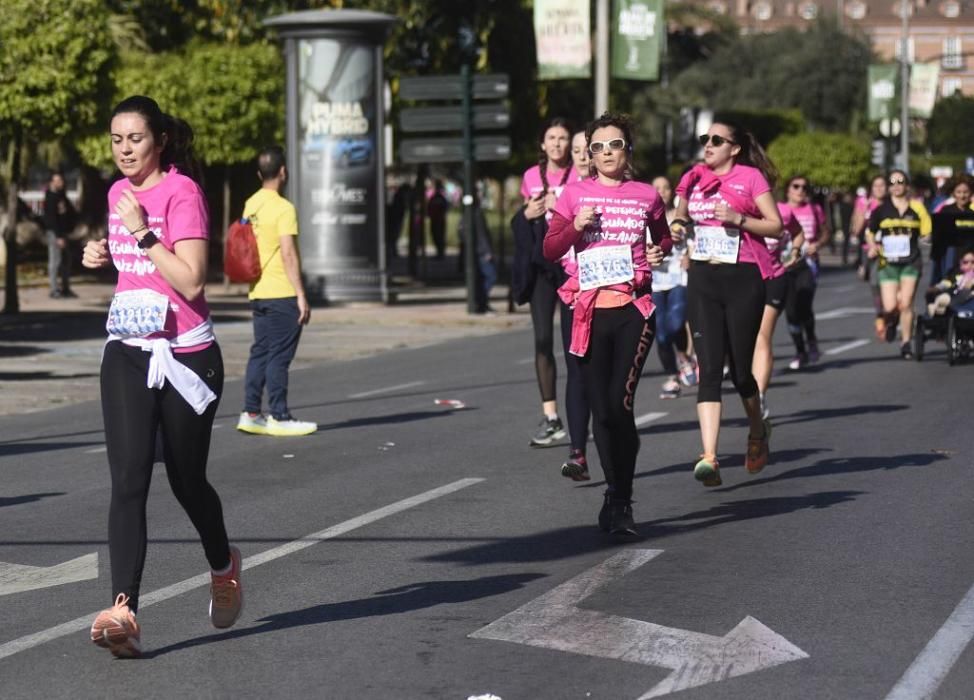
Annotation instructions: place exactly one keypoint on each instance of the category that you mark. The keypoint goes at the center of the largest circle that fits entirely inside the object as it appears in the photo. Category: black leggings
(576, 400)
(726, 303)
(620, 343)
(544, 301)
(798, 308)
(133, 413)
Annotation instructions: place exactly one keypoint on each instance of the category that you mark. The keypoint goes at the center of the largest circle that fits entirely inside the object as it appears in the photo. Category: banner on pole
(563, 35)
(923, 89)
(882, 91)
(638, 34)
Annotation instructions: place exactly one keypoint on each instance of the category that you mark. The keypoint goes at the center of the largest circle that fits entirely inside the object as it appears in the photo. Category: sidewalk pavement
(51, 350)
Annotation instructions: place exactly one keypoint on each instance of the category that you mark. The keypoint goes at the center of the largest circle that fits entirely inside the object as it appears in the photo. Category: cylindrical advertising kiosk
(334, 127)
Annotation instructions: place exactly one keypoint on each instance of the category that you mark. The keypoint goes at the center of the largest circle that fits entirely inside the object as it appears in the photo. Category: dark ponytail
(751, 152)
(175, 133)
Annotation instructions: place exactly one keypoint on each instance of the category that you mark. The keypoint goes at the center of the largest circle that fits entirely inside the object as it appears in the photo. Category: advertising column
(334, 128)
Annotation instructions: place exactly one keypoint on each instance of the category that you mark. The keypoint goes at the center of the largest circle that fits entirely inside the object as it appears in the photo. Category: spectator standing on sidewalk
(278, 302)
(161, 369)
(59, 218)
(436, 209)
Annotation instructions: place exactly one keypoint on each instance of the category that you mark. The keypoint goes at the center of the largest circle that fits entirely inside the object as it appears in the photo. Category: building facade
(939, 31)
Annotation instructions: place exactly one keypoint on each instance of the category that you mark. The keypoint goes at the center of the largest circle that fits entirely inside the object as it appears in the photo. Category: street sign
(450, 150)
(450, 87)
(485, 116)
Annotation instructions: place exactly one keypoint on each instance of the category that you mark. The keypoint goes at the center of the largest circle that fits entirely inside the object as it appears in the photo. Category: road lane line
(81, 623)
(96, 450)
(649, 418)
(931, 667)
(848, 346)
(385, 389)
(844, 312)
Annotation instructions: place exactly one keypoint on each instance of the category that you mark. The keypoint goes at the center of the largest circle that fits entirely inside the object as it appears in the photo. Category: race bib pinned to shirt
(603, 266)
(896, 247)
(716, 244)
(137, 313)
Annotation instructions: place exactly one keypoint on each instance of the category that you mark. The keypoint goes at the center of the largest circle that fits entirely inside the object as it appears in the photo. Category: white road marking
(649, 418)
(554, 621)
(385, 389)
(931, 667)
(96, 450)
(844, 312)
(80, 623)
(848, 346)
(528, 360)
(17, 578)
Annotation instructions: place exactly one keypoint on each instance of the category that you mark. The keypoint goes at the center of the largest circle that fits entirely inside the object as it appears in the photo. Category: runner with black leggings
(728, 200)
(606, 219)
(162, 371)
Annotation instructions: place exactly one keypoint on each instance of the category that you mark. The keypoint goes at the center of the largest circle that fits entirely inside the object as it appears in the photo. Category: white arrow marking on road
(554, 621)
(848, 346)
(649, 418)
(17, 578)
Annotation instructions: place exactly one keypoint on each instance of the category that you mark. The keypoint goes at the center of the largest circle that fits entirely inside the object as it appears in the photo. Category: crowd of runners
(703, 270)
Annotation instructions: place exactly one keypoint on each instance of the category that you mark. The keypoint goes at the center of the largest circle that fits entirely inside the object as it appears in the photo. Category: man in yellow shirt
(278, 301)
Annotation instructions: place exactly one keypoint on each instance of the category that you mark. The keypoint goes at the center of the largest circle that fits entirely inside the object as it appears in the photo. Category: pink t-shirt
(531, 183)
(175, 210)
(811, 217)
(747, 183)
(624, 214)
(788, 230)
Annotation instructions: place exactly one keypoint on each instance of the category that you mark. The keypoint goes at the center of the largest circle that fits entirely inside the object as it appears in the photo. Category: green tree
(838, 161)
(54, 67)
(951, 126)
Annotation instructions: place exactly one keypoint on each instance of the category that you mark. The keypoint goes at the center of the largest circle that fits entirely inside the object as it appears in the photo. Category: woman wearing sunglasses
(729, 202)
(803, 275)
(536, 280)
(605, 219)
(893, 236)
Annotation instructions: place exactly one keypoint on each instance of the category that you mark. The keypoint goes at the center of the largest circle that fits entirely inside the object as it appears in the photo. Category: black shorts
(776, 292)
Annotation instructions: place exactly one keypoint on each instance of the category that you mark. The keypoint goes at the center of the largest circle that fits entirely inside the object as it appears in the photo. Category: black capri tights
(133, 414)
(725, 306)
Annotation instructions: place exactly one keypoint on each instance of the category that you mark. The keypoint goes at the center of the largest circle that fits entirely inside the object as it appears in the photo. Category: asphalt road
(414, 550)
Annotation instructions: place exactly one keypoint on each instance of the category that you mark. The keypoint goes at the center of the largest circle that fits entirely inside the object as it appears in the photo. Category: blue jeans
(671, 318)
(276, 335)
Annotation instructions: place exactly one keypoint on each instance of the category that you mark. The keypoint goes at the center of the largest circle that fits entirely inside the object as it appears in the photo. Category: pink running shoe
(115, 629)
(226, 594)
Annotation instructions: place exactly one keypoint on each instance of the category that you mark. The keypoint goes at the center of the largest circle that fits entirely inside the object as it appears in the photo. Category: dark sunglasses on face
(716, 140)
(799, 185)
(612, 145)
(897, 181)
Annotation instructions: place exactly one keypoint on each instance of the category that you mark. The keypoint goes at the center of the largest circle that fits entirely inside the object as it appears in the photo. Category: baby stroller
(954, 326)
(950, 309)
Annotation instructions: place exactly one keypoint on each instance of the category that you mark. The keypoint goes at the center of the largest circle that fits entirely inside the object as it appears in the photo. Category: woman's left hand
(726, 213)
(654, 254)
(130, 211)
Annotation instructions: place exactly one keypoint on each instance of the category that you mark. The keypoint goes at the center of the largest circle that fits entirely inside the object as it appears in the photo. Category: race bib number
(137, 313)
(664, 279)
(896, 247)
(716, 244)
(604, 266)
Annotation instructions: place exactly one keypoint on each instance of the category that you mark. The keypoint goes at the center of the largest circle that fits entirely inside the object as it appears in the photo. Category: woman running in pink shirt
(729, 202)
(606, 219)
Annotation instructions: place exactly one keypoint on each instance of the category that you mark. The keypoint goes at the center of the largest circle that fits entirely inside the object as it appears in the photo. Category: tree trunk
(226, 218)
(11, 300)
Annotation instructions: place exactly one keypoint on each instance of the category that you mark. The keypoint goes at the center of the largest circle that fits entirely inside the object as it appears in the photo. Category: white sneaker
(253, 423)
(288, 427)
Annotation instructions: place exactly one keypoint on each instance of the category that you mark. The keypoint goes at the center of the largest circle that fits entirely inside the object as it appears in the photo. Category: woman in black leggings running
(605, 218)
(162, 371)
(728, 199)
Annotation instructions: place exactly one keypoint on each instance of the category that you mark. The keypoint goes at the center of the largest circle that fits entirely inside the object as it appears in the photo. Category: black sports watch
(148, 240)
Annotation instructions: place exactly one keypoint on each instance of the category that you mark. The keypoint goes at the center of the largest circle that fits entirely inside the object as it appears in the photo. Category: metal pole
(601, 57)
(470, 236)
(905, 87)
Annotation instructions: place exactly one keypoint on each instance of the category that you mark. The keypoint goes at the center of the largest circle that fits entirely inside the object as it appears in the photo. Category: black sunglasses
(799, 185)
(716, 140)
(897, 181)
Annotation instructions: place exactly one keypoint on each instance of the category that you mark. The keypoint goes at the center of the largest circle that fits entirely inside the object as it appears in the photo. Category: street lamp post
(905, 86)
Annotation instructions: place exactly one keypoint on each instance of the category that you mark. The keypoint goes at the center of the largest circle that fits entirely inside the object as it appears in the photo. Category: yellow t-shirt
(272, 216)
